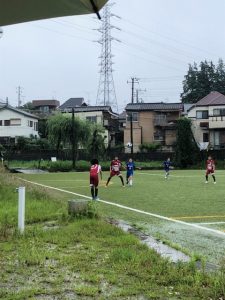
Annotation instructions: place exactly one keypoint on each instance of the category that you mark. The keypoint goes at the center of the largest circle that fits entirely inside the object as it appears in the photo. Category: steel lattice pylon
(106, 90)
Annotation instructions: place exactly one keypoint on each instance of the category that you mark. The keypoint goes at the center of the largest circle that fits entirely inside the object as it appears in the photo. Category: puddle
(164, 250)
(27, 171)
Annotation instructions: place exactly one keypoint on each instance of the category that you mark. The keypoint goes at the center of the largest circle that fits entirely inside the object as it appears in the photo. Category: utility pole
(19, 92)
(137, 94)
(73, 140)
(133, 81)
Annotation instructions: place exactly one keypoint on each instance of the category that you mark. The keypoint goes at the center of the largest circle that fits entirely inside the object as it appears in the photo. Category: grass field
(60, 257)
(184, 197)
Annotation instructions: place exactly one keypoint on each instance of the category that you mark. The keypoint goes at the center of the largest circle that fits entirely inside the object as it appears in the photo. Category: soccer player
(130, 171)
(167, 167)
(210, 169)
(115, 168)
(95, 171)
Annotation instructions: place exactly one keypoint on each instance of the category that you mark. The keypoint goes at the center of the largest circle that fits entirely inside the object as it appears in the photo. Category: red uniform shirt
(94, 171)
(115, 167)
(210, 166)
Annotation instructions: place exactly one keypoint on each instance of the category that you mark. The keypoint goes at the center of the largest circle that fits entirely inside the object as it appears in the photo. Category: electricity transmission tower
(106, 90)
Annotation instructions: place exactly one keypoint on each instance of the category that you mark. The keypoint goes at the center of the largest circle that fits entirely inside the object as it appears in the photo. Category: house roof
(38, 103)
(18, 111)
(92, 108)
(72, 103)
(155, 106)
(213, 98)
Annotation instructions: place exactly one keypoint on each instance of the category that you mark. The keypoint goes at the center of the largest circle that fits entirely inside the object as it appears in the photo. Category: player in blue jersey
(130, 171)
(167, 167)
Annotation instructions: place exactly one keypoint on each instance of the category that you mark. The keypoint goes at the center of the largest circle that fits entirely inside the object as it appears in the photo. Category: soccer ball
(129, 145)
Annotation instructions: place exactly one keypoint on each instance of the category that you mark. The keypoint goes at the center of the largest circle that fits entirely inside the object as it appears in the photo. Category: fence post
(21, 208)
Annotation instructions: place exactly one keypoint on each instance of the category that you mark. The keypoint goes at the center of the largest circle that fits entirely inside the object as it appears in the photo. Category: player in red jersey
(95, 171)
(210, 169)
(115, 168)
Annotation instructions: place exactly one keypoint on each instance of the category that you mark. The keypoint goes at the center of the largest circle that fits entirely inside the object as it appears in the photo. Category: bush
(148, 147)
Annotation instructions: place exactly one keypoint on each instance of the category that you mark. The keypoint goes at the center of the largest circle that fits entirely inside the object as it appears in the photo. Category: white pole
(21, 209)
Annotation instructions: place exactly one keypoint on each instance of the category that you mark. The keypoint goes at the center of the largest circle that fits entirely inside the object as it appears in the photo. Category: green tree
(63, 131)
(202, 80)
(96, 145)
(186, 148)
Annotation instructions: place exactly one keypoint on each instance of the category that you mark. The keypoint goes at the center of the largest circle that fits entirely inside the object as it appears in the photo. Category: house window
(205, 137)
(202, 114)
(7, 122)
(31, 123)
(0, 122)
(15, 122)
(92, 119)
(44, 109)
(36, 126)
(219, 112)
(134, 116)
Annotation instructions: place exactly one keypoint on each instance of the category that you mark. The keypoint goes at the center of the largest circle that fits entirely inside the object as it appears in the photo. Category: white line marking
(131, 209)
(210, 223)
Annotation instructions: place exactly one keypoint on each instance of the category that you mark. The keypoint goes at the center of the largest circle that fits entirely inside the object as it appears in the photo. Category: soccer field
(182, 210)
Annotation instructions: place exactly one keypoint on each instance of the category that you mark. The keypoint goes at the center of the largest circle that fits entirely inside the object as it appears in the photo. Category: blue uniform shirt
(167, 165)
(130, 168)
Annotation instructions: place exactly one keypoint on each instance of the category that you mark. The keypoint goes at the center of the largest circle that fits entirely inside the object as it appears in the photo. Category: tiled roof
(72, 102)
(91, 108)
(214, 98)
(154, 106)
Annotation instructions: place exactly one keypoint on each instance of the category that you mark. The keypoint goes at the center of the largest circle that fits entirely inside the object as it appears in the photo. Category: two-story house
(152, 122)
(102, 115)
(15, 123)
(45, 107)
(208, 120)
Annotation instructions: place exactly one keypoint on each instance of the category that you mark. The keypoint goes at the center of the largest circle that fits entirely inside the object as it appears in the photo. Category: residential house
(208, 120)
(152, 122)
(72, 103)
(15, 123)
(45, 106)
(102, 115)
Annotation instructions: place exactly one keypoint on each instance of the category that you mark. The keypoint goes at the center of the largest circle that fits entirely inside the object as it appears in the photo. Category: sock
(206, 177)
(92, 192)
(121, 178)
(108, 180)
(96, 192)
(214, 178)
(131, 182)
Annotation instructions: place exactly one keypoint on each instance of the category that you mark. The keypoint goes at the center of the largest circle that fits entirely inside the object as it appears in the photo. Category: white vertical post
(21, 209)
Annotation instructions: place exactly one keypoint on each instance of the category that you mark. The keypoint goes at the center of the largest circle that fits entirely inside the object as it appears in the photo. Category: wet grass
(63, 258)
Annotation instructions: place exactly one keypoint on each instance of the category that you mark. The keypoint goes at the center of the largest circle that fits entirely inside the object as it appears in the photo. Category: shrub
(148, 147)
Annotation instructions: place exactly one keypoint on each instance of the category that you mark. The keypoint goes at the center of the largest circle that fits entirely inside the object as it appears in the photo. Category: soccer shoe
(123, 186)
(214, 182)
(206, 182)
(106, 186)
(96, 198)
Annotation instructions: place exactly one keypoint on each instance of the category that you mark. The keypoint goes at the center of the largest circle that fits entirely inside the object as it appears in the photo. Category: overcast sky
(58, 58)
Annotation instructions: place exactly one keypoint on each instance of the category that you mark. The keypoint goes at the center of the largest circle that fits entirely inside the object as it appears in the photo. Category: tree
(202, 80)
(63, 131)
(97, 145)
(185, 144)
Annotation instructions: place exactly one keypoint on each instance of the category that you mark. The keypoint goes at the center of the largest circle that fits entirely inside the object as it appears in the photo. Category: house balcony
(216, 122)
(163, 121)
